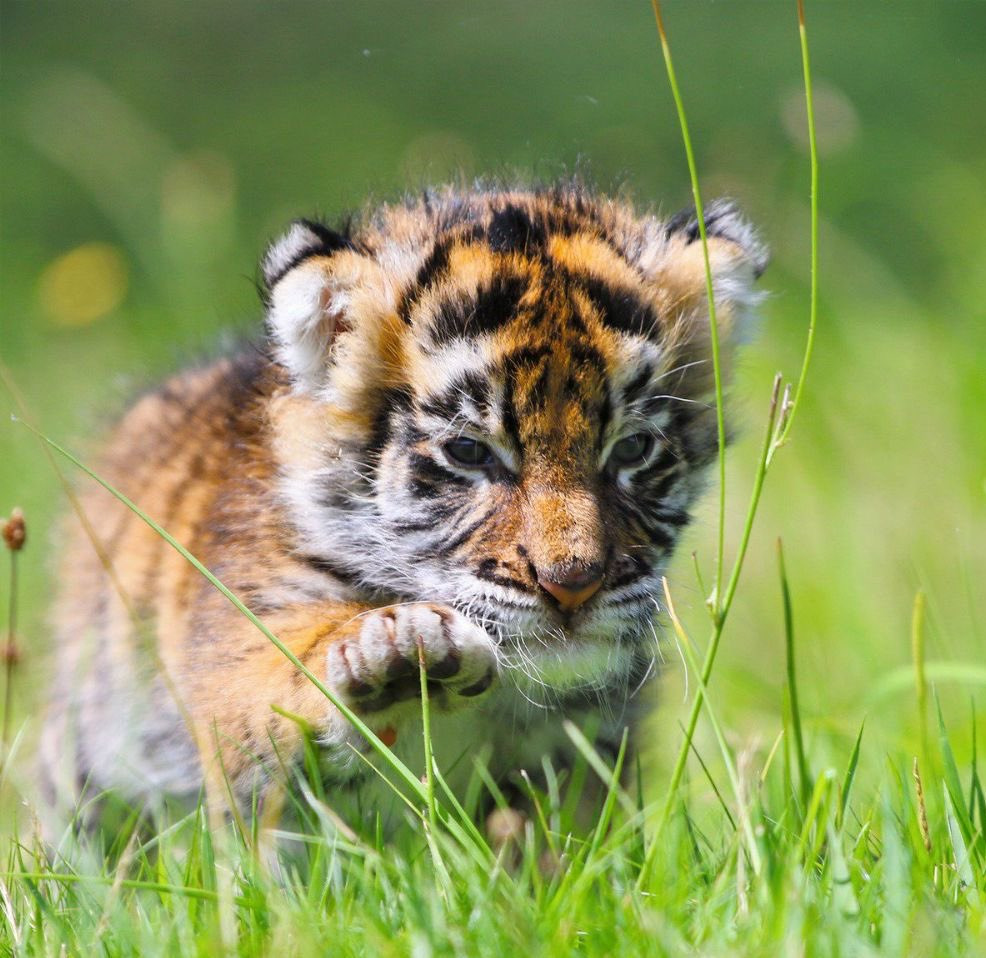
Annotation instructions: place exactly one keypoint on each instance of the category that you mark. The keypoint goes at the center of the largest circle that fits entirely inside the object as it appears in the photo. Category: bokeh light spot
(84, 284)
(836, 118)
(197, 189)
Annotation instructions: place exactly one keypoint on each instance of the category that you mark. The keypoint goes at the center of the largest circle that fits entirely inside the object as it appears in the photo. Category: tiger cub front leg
(377, 666)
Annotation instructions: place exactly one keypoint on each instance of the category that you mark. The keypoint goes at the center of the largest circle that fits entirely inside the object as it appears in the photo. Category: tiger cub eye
(632, 450)
(469, 453)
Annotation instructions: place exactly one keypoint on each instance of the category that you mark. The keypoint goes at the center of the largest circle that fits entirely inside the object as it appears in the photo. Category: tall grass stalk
(715, 600)
(9, 658)
(705, 673)
(702, 695)
(779, 418)
(14, 536)
(813, 178)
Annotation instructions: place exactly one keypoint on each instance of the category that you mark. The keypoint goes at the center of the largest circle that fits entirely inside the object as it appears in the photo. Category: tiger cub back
(474, 433)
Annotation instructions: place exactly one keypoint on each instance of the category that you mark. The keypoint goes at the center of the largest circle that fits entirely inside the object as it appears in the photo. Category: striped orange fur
(476, 427)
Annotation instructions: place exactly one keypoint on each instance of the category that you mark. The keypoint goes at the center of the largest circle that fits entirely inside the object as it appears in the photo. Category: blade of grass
(792, 684)
(9, 651)
(705, 672)
(977, 800)
(816, 818)
(431, 824)
(788, 420)
(159, 887)
(715, 599)
(702, 695)
(960, 849)
(426, 736)
(849, 777)
(403, 772)
(712, 783)
(773, 440)
(953, 782)
(920, 677)
(613, 792)
(595, 762)
(539, 813)
(478, 845)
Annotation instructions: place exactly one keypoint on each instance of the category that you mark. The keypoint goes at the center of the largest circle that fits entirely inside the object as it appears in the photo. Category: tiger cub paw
(378, 665)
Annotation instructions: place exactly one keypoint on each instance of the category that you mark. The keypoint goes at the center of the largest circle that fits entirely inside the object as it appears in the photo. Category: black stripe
(586, 355)
(486, 570)
(538, 393)
(419, 526)
(665, 459)
(526, 356)
(634, 389)
(605, 411)
(512, 230)
(431, 479)
(621, 309)
(561, 302)
(329, 242)
(326, 566)
(493, 307)
(659, 536)
(465, 535)
(435, 264)
(663, 486)
(333, 496)
(394, 401)
(447, 404)
(673, 517)
(509, 413)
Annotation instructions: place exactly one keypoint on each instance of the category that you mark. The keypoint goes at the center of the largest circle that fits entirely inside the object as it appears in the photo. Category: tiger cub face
(502, 401)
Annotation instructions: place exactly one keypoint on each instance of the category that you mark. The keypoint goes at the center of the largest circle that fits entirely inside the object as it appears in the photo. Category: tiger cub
(476, 427)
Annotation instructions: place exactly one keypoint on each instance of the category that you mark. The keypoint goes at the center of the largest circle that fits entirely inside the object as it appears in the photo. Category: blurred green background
(150, 149)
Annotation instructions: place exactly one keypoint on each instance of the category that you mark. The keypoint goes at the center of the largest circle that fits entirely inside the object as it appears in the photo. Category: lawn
(150, 150)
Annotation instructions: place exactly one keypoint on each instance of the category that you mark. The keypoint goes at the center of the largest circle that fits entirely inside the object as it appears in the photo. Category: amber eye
(469, 453)
(632, 450)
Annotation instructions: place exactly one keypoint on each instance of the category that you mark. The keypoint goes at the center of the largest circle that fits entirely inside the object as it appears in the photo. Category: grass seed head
(15, 531)
(10, 653)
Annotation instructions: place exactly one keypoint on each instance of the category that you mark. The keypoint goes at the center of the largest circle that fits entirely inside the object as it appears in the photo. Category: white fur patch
(303, 317)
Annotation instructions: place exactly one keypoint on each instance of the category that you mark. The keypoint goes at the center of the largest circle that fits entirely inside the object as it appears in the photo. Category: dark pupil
(632, 449)
(468, 452)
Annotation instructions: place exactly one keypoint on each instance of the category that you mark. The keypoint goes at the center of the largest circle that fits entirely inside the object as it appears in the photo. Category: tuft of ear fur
(723, 220)
(303, 239)
(737, 257)
(311, 274)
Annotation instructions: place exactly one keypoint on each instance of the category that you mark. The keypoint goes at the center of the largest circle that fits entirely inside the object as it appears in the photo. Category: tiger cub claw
(378, 666)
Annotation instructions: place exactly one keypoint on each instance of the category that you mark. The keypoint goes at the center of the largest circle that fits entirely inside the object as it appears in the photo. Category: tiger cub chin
(476, 426)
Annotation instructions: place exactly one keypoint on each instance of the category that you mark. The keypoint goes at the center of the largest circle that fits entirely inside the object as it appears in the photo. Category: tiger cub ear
(737, 257)
(313, 280)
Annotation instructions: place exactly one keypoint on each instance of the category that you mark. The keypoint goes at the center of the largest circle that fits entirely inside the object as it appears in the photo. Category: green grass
(841, 874)
(819, 790)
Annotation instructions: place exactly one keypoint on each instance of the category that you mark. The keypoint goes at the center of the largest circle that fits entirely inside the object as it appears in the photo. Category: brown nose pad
(572, 588)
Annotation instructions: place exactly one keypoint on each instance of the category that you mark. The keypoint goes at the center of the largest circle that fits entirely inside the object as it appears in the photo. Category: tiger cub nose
(573, 586)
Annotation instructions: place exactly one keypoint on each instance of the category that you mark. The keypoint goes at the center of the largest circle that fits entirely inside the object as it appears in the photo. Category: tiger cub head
(503, 401)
